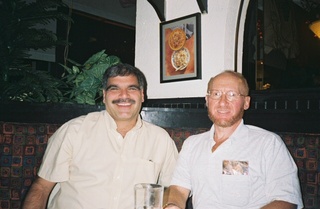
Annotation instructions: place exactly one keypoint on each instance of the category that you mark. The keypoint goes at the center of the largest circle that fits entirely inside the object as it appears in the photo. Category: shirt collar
(239, 133)
(112, 124)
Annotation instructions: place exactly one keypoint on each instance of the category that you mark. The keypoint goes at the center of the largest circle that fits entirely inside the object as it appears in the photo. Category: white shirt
(267, 171)
(98, 168)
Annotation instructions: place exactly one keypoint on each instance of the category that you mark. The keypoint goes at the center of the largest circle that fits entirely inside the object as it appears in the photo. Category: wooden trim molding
(279, 111)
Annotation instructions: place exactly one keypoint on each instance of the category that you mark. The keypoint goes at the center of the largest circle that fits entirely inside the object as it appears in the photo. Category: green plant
(20, 31)
(35, 86)
(85, 81)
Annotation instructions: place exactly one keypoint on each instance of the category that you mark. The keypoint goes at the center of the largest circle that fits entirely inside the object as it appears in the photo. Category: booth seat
(22, 146)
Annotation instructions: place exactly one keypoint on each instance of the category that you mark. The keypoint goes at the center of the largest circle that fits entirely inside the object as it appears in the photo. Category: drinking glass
(148, 196)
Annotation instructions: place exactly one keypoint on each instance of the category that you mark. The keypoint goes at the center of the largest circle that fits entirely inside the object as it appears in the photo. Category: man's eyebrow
(110, 86)
(136, 86)
(130, 86)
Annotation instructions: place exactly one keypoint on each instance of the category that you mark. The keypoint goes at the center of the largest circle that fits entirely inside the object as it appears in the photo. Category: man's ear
(246, 104)
(142, 95)
(206, 98)
(104, 95)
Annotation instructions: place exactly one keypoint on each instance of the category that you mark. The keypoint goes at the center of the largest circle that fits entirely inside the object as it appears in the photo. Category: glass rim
(147, 185)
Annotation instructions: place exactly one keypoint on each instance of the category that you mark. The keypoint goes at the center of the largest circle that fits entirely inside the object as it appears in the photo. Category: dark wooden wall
(295, 111)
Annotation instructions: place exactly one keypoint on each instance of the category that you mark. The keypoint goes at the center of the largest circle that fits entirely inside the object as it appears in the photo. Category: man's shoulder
(199, 138)
(152, 125)
(78, 121)
(259, 131)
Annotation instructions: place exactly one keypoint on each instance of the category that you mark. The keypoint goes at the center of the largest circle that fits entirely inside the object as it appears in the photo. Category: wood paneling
(280, 111)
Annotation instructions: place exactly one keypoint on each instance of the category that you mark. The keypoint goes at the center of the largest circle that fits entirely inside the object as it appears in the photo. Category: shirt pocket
(146, 171)
(235, 190)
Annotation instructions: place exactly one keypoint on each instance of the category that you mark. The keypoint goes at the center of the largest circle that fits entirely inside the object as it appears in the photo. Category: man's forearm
(277, 204)
(177, 197)
(37, 196)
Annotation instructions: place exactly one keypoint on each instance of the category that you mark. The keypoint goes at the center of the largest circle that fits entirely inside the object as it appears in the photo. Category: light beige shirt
(97, 168)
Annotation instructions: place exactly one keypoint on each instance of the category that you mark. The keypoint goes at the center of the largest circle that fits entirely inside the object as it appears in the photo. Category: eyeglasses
(230, 95)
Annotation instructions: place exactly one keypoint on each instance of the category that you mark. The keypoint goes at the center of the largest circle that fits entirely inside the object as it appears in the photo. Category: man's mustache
(131, 101)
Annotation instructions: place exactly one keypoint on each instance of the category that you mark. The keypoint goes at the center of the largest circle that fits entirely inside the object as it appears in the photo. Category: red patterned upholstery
(22, 146)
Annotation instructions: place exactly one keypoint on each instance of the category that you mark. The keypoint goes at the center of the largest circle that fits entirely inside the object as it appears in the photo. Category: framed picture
(180, 52)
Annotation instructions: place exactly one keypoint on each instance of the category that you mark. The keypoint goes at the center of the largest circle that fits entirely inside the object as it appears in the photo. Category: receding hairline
(244, 84)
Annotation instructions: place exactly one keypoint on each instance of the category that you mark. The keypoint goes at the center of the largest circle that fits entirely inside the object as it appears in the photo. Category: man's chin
(226, 123)
(223, 124)
(124, 116)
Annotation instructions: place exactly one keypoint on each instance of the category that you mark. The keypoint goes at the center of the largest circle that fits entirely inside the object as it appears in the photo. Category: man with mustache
(95, 160)
(233, 165)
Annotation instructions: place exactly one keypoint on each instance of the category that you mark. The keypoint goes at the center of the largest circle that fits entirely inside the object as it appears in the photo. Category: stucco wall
(218, 37)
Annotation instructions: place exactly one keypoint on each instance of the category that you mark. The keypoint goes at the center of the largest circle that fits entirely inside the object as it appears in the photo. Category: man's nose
(124, 93)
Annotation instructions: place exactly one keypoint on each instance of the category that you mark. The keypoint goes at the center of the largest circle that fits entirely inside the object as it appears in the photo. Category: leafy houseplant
(20, 31)
(85, 81)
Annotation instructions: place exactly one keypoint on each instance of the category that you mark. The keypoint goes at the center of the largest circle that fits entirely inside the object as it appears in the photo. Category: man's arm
(277, 204)
(176, 197)
(38, 194)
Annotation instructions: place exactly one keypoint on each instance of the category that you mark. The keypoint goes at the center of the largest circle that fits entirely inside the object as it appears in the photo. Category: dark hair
(123, 69)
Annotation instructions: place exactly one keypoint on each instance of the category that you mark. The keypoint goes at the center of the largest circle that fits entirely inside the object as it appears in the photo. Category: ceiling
(124, 11)
(128, 3)
(121, 11)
